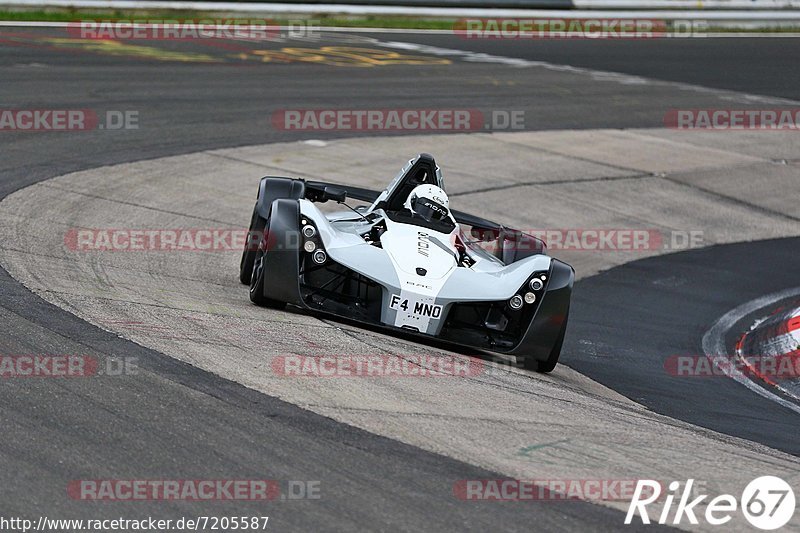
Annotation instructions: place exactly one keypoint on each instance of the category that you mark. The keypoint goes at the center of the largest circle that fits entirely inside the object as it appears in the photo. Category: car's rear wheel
(257, 277)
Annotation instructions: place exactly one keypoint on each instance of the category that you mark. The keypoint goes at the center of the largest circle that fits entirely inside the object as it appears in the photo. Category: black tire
(548, 365)
(257, 284)
(257, 225)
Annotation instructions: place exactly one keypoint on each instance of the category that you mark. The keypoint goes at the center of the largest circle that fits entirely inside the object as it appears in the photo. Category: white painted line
(699, 35)
(686, 4)
(714, 343)
(452, 12)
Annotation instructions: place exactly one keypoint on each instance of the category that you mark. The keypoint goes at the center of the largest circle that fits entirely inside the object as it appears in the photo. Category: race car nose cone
(421, 271)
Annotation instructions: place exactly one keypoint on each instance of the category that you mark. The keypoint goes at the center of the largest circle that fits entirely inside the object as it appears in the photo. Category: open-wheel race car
(407, 262)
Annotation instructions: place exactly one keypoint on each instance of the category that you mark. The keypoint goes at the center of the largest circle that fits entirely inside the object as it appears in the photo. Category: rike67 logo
(767, 502)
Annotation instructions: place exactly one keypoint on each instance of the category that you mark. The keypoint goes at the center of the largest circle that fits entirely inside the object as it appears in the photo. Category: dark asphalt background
(762, 66)
(626, 322)
(174, 421)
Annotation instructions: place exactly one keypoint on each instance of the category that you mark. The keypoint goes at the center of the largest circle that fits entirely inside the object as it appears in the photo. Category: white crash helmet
(428, 201)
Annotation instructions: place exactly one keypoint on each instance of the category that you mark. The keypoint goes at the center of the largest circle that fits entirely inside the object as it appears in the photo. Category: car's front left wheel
(257, 282)
(549, 364)
(254, 236)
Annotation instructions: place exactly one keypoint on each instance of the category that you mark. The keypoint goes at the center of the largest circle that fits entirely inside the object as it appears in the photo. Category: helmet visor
(428, 209)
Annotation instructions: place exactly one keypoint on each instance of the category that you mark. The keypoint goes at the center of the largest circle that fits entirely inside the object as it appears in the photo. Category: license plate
(414, 307)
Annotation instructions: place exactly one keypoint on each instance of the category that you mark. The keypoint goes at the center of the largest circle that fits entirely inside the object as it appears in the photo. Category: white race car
(408, 263)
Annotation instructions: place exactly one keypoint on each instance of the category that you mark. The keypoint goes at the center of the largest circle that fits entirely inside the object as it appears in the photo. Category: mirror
(335, 194)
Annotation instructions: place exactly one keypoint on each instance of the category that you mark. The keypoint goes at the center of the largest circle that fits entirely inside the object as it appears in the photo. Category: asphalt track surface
(669, 303)
(176, 421)
(766, 67)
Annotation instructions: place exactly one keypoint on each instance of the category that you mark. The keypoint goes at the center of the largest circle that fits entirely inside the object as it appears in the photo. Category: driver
(429, 202)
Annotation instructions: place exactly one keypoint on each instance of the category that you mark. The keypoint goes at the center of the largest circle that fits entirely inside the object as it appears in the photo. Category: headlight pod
(536, 285)
(312, 243)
